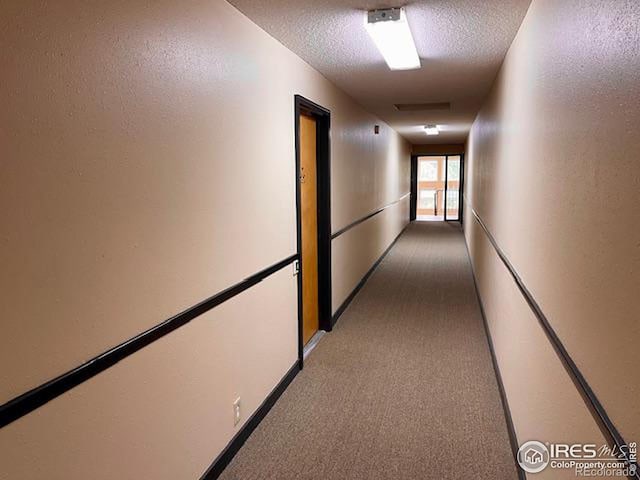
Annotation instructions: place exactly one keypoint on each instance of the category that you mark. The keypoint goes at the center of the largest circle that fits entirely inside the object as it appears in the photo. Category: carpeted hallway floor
(403, 388)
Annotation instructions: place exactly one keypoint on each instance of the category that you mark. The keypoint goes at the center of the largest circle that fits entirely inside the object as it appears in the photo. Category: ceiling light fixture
(390, 32)
(432, 129)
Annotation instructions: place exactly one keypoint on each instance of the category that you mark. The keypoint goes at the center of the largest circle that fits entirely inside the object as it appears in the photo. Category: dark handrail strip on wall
(367, 217)
(29, 401)
(593, 404)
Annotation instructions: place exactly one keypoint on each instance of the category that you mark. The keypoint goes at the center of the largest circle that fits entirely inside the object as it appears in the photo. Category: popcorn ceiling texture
(461, 43)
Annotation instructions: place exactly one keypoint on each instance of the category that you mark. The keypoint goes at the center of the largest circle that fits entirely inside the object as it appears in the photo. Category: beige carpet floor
(403, 388)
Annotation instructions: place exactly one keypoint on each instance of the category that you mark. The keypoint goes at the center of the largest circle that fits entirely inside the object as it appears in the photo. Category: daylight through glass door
(452, 199)
(438, 188)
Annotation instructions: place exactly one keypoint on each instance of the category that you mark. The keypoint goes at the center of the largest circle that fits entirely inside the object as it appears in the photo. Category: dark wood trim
(364, 279)
(368, 216)
(247, 429)
(589, 397)
(323, 159)
(29, 401)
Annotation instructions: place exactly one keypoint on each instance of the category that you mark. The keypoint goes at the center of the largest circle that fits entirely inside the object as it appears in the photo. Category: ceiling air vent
(420, 107)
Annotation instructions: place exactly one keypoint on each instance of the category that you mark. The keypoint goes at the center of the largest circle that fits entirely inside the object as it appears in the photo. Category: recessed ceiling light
(432, 129)
(390, 31)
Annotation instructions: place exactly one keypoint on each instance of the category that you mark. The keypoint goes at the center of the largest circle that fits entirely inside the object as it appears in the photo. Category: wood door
(309, 213)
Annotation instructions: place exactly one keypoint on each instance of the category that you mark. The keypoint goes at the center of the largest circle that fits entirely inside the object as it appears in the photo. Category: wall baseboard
(364, 279)
(221, 462)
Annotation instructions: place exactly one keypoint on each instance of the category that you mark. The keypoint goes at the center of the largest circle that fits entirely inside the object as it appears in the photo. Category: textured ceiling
(461, 44)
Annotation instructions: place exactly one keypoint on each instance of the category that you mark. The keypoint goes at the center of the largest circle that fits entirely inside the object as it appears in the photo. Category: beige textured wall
(164, 412)
(137, 139)
(552, 168)
(352, 251)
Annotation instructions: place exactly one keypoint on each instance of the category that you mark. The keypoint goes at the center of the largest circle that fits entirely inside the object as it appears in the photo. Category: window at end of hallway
(427, 199)
(453, 169)
(428, 171)
(452, 200)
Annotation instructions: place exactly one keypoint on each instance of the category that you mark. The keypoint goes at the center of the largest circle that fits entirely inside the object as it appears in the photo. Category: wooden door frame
(323, 164)
(413, 210)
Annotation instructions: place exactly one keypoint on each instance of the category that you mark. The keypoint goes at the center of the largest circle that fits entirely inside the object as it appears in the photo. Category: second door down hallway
(318, 239)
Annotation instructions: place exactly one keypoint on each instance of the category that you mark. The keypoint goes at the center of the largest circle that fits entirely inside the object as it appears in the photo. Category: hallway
(402, 388)
(217, 254)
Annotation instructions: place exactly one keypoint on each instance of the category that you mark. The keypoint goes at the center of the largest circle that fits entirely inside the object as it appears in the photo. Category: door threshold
(311, 344)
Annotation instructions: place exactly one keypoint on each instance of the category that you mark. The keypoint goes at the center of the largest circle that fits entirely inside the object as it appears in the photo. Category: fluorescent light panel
(432, 129)
(390, 32)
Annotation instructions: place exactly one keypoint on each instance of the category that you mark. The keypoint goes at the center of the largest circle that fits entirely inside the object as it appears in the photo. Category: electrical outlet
(236, 411)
